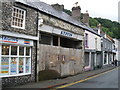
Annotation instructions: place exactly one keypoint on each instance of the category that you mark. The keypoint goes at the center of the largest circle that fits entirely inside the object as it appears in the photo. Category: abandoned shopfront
(61, 51)
(61, 40)
(60, 47)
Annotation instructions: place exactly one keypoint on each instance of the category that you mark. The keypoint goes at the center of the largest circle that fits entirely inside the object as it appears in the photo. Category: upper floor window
(96, 43)
(18, 18)
(86, 40)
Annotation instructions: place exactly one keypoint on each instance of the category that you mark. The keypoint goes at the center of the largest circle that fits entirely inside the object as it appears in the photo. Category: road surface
(106, 80)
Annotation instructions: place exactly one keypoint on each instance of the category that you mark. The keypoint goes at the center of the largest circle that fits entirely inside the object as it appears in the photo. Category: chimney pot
(58, 7)
(76, 12)
(86, 18)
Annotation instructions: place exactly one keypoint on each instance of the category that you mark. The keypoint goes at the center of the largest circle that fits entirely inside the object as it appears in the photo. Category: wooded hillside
(111, 28)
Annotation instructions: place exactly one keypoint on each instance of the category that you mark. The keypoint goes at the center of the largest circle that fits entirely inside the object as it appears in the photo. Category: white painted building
(117, 47)
(92, 50)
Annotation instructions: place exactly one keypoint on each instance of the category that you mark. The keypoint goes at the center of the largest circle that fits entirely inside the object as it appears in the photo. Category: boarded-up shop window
(46, 39)
(55, 41)
(70, 43)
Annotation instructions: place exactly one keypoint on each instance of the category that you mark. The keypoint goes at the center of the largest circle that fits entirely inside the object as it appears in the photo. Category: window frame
(24, 16)
(17, 57)
(86, 40)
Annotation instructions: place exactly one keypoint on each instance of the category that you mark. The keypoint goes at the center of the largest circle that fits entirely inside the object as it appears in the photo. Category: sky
(97, 8)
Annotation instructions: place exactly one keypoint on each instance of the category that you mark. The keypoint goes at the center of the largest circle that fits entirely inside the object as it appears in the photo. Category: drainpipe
(37, 54)
(37, 64)
(39, 23)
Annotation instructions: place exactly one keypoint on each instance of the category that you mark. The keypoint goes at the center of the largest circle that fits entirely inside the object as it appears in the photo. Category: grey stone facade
(30, 29)
(30, 22)
(52, 21)
(65, 60)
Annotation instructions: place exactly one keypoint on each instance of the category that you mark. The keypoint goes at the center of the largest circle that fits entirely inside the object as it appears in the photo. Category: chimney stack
(86, 18)
(99, 28)
(76, 12)
(58, 7)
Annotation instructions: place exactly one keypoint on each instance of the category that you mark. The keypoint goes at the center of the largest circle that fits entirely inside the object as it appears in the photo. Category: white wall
(116, 46)
(91, 41)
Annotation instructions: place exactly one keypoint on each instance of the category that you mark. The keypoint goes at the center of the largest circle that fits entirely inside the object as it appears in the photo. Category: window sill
(15, 75)
(18, 27)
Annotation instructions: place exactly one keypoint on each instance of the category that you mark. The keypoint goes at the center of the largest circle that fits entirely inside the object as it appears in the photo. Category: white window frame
(17, 56)
(86, 40)
(23, 18)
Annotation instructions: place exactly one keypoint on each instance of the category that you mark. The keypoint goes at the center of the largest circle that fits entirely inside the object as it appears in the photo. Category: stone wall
(30, 29)
(49, 20)
(66, 61)
(30, 20)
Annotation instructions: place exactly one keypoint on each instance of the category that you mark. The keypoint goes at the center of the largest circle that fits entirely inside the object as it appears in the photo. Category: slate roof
(46, 8)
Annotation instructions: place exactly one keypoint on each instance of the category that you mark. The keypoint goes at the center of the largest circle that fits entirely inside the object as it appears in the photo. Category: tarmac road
(104, 80)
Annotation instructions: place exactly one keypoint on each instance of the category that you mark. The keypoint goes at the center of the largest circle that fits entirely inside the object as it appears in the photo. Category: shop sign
(66, 33)
(8, 39)
(11, 40)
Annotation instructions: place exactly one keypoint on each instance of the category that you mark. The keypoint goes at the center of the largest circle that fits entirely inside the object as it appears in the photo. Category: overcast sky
(97, 8)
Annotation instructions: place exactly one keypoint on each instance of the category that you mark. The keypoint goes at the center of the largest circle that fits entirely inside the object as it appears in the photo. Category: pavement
(67, 80)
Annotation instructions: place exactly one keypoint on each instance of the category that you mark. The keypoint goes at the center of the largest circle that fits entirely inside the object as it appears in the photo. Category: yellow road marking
(67, 85)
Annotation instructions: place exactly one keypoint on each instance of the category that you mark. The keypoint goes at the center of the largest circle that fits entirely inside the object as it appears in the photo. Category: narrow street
(106, 80)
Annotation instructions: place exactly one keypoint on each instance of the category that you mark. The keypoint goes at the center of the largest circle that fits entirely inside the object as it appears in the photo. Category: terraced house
(40, 41)
(18, 41)
(37, 37)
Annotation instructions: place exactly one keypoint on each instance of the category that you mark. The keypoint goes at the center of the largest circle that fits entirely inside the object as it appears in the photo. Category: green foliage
(93, 22)
(68, 12)
(111, 28)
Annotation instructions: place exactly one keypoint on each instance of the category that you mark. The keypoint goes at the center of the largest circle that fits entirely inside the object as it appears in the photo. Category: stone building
(61, 46)
(37, 37)
(18, 41)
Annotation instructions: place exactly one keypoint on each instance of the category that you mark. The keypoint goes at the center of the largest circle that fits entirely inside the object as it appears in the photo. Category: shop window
(4, 66)
(5, 50)
(21, 65)
(21, 51)
(49, 39)
(18, 18)
(13, 50)
(69, 43)
(45, 39)
(27, 51)
(55, 41)
(13, 66)
(17, 62)
(27, 65)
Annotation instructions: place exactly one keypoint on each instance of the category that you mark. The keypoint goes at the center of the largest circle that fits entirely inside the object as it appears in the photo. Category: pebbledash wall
(18, 42)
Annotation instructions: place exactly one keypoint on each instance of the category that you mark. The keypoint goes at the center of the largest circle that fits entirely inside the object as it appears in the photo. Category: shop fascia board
(7, 33)
(57, 31)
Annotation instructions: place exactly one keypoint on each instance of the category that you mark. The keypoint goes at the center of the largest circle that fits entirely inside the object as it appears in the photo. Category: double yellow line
(70, 84)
